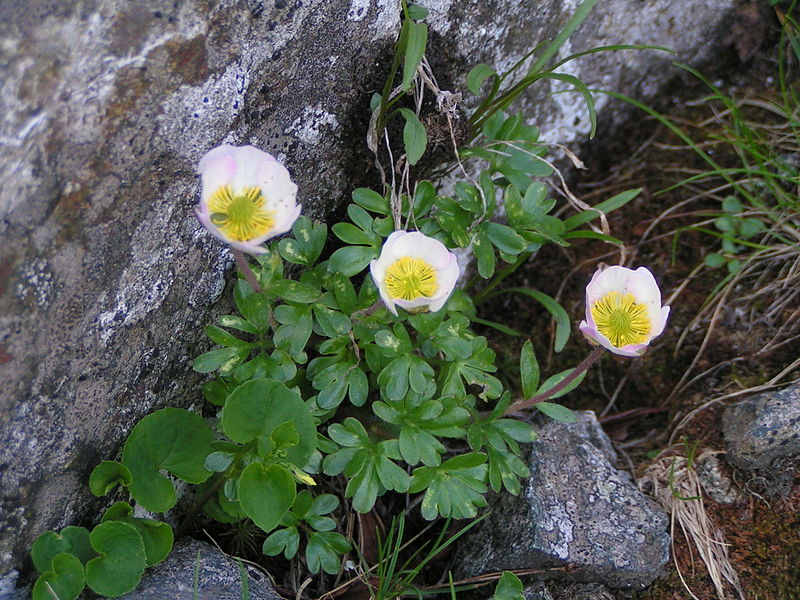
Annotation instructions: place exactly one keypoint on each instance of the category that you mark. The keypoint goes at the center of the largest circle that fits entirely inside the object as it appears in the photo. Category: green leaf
(71, 540)
(357, 386)
(324, 551)
(484, 252)
(215, 391)
(254, 307)
(172, 439)
(505, 470)
(350, 234)
(157, 536)
(121, 563)
(606, 207)
(417, 12)
(107, 475)
(529, 370)
(292, 251)
(553, 380)
(351, 260)
(732, 205)
(223, 359)
(266, 494)
(371, 200)
(223, 338)
(714, 260)
(283, 540)
(257, 407)
(509, 587)
(506, 239)
(414, 137)
(218, 461)
(333, 323)
(63, 580)
(294, 291)
(477, 75)
(557, 412)
(345, 294)
(414, 51)
(454, 489)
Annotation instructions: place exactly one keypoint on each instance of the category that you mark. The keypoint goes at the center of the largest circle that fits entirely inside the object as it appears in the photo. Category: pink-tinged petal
(593, 335)
(248, 247)
(215, 172)
(437, 305)
(410, 305)
(205, 220)
(378, 271)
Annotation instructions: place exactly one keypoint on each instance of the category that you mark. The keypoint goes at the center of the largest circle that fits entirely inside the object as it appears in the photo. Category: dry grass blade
(673, 481)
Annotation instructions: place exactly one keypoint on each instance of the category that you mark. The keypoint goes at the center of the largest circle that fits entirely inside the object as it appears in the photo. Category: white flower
(623, 310)
(248, 197)
(415, 272)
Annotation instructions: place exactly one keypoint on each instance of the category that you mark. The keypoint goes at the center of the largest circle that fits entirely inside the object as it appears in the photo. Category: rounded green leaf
(266, 494)
(714, 260)
(107, 475)
(121, 563)
(157, 536)
(173, 439)
(257, 407)
(65, 580)
(283, 540)
(351, 260)
(72, 540)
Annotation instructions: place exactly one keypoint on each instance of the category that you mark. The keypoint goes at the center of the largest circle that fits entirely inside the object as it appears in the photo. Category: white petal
(643, 286)
(660, 322)
(611, 279)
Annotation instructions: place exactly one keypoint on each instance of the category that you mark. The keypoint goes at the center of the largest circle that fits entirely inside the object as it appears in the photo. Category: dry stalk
(673, 482)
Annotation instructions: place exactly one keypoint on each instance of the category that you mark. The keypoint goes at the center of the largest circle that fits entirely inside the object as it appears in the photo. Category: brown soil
(640, 400)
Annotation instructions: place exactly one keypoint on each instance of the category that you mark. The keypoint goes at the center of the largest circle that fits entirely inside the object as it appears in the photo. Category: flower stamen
(240, 217)
(410, 278)
(621, 319)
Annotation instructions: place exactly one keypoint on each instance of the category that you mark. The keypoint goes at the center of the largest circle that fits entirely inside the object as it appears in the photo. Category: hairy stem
(241, 262)
(584, 366)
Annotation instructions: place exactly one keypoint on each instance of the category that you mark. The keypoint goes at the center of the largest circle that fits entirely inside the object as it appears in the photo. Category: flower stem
(584, 366)
(241, 262)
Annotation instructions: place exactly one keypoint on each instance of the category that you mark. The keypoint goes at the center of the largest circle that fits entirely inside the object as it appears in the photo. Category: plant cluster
(378, 378)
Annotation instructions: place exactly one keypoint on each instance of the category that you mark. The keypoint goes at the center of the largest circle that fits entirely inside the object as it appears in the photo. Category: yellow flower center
(410, 278)
(621, 319)
(242, 217)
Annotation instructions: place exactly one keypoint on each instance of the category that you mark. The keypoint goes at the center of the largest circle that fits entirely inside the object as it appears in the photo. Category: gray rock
(8, 587)
(763, 428)
(580, 591)
(577, 513)
(105, 277)
(716, 482)
(566, 591)
(536, 591)
(219, 577)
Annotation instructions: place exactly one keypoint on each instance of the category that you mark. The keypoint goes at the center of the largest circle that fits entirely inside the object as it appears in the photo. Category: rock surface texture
(763, 428)
(219, 577)
(106, 107)
(575, 511)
